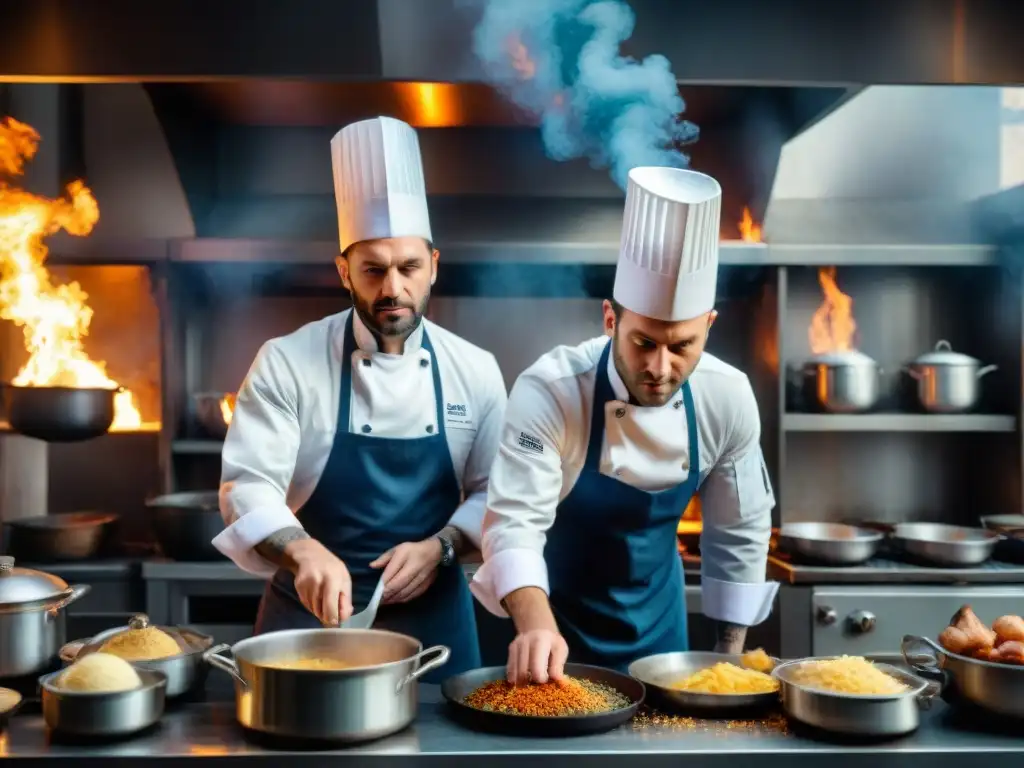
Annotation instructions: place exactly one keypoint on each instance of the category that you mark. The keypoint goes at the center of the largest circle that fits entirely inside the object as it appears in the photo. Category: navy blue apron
(616, 577)
(374, 494)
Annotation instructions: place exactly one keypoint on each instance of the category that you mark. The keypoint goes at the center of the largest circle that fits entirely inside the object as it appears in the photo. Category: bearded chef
(361, 443)
(604, 445)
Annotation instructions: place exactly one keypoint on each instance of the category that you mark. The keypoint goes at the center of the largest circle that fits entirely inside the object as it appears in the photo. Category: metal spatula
(365, 618)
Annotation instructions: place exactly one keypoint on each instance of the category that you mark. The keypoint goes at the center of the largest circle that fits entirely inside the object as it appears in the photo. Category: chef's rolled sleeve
(259, 457)
(736, 505)
(523, 493)
(469, 516)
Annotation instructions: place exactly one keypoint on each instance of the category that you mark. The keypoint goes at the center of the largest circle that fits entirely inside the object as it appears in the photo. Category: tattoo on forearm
(272, 547)
(730, 636)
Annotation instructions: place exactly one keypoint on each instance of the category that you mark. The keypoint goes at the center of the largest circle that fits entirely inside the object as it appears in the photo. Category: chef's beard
(400, 327)
(635, 382)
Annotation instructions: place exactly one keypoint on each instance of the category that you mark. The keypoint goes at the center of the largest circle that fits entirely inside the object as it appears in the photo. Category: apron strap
(348, 349)
(603, 394)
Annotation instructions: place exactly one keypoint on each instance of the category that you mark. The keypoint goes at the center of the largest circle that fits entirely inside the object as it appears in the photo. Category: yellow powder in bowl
(847, 674)
(145, 644)
(99, 673)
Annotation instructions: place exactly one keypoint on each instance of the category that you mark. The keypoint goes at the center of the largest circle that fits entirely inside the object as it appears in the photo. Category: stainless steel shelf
(213, 447)
(897, 422)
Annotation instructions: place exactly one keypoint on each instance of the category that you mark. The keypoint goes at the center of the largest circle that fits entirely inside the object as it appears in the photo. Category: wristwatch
(447, 551)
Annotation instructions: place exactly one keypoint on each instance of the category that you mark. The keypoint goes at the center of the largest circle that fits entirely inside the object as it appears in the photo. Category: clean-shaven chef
(604, 445)
(361, 444)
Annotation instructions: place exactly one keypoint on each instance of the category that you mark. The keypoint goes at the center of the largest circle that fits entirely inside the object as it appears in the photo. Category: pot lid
(850, 357)
(23, 585)
(943, 354)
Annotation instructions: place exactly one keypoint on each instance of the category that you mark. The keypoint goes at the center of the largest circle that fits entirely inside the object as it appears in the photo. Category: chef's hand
(322, 581)
(409, 569)
(537, 656)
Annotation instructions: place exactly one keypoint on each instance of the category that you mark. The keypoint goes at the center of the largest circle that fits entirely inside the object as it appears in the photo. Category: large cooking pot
(186, 523)
(61, 537)
(947, 381)
(59, 414)
(841, 382)
(374, 698)
(996, 688)
(32, 621)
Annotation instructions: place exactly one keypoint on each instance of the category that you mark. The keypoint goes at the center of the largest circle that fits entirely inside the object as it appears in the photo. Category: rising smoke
(560, 60)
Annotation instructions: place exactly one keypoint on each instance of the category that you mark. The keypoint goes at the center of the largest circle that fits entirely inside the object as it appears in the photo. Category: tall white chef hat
(668, 255)
(378, 182)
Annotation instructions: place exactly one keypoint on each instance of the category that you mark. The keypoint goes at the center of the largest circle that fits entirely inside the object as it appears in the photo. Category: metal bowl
(658, 672)
(1003, 523)
(855, 715)
(185, 673)
(949, 546)
(208, 413)
(103, 714)
(830, 543)
(995, 688)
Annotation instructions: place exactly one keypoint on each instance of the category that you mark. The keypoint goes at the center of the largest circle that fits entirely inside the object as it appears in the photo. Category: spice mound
(568, 697)
(144, 644)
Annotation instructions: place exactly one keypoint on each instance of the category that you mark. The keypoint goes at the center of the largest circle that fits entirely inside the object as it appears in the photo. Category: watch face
(447, 552)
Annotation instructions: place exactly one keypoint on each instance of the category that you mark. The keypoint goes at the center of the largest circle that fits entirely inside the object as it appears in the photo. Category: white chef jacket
(646, 448)
(286, 416)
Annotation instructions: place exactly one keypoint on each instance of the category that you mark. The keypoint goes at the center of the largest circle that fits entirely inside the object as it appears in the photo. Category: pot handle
(912, 372)
(925, 657)
(943, 346)
(442, 651)
(987, 370)
(67, 597)
(212, 657)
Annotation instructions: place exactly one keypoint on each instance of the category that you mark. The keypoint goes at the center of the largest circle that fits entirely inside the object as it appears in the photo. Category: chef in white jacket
(604, 445)
(361, 443)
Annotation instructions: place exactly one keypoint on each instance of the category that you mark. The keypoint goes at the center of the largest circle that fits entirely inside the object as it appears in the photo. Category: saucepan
(829, 543)
(947, 381)
(841, 382)
(60, 414)
(186, 523)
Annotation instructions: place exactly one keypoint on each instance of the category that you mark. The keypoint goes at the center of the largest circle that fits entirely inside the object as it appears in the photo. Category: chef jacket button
(366, 362)
(367, 429)
(677, 404)
(620, 412)
(618, 472)
(424, 363)
(430, 428)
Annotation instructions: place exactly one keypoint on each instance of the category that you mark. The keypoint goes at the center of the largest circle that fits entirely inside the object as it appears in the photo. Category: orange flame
(832, 328)
(227, 407)
(55, 318)
(750, 232)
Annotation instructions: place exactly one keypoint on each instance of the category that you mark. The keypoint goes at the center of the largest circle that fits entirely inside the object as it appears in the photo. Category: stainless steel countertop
(208, 730)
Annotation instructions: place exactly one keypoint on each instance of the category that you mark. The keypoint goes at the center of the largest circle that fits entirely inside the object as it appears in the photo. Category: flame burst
(55, 319)
(750, 231)
(832, 328)
(227, 407)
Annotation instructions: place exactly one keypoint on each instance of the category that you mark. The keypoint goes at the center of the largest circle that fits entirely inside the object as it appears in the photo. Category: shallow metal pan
(830, 543)
(456, 689)
(950, 546)
(113, 714)
(854, 715)
(658, 672)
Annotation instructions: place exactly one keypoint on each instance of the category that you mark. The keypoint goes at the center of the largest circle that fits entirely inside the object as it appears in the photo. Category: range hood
(729, 41)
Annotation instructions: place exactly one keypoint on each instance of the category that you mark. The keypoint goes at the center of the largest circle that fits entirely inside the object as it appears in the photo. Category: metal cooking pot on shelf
(185, 672)
(32, 620)
(59, 538)
(948, 546)
(185, 524)
(60, 414)
(947, 381)
(841, 382)
(328, 704)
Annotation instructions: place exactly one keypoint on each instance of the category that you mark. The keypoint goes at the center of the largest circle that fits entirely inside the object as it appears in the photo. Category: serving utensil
(365, 618)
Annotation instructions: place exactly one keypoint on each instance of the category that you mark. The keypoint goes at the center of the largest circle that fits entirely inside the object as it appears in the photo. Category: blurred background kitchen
(862, 225)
